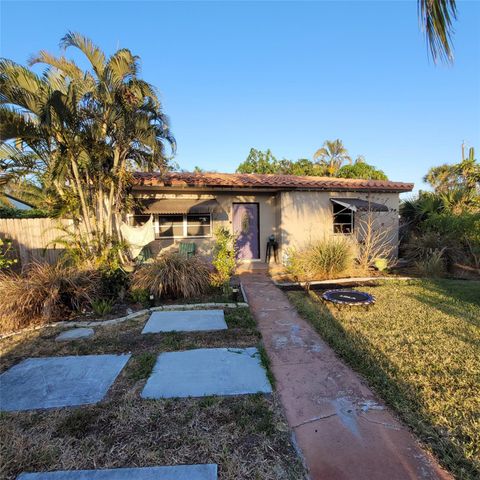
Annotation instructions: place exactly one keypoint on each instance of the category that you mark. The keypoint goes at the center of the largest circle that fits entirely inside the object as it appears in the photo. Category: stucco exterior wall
(295, 217)
(308, 216)
(223, 217)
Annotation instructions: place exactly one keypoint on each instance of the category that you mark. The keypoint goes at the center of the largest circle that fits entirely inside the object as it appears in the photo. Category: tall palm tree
(332, 156)
(436, 18)
(87, 129)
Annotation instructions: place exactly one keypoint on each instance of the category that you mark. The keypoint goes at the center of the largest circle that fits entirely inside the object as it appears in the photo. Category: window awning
(359, 205)
(178, 206)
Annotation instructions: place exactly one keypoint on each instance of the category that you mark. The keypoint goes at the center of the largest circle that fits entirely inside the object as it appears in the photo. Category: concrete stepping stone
(53, 382)
(180, 472)
(75, 334)
(207, 371)
(185, 321)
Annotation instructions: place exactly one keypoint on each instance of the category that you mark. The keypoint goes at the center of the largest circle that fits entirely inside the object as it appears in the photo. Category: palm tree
(86, 129)
(332, 156)
(436, 18)
(441, 178)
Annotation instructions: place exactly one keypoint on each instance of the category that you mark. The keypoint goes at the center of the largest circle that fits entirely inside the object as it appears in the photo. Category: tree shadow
(384, 377)
(457, 295)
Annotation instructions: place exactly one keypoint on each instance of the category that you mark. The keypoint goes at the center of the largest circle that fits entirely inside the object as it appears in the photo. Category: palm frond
(95, 56)
(436, 18)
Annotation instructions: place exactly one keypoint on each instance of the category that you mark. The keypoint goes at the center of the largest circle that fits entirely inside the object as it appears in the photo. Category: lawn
(419, 348)
(246, 435)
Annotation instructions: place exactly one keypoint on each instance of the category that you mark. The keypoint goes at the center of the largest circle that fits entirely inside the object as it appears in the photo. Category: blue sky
(283, 75)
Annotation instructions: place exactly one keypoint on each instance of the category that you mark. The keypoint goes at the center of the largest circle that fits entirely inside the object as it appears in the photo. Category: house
(187, 207)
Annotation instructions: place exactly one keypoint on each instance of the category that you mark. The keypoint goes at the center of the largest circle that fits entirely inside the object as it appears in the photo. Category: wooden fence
(34, 238)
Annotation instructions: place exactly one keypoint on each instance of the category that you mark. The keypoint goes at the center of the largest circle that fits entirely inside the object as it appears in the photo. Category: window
(177, 226)
(198, 225)
(170, 225)
(343, 220)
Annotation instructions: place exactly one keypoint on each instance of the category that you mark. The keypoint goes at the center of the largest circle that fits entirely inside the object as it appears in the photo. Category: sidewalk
(343, 431)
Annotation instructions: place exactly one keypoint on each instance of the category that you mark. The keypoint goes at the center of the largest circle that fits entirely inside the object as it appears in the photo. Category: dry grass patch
(127, 337)
(247, 436)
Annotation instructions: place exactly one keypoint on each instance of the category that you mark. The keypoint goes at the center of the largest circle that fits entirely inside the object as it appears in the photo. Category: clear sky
(283, 75)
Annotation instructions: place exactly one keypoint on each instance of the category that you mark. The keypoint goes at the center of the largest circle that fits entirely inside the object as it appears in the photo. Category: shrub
(173, 275)
(44, 293)
(12, 212)
(420, 246)
(433, 265)
(102, 306)
(223, 257)
(7, 258)
(460, 232)
(114, 283)
(322, 259)
(140, 295)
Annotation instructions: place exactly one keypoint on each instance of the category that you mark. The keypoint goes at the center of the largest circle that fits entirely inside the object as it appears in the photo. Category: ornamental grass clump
(322, 259)
(173, 275)
(44, 293)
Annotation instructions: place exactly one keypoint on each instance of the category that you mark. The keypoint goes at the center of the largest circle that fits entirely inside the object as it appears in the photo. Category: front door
(246, 228)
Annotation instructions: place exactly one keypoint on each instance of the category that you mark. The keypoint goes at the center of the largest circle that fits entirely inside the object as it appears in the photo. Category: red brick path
(343, 430)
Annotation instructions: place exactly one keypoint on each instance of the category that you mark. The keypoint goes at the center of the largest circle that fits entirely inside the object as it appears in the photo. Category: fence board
(33, 238)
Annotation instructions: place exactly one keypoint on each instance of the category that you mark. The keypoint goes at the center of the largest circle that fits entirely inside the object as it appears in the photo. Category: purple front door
(245, 226)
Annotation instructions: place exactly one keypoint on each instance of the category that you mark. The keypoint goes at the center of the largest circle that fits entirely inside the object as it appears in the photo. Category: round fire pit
(348, 298)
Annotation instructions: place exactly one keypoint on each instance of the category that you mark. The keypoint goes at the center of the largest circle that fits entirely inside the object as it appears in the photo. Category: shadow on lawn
(454, 296)
(384, 377)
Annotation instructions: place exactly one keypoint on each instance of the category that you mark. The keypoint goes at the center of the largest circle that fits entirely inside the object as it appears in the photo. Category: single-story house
(187, 207)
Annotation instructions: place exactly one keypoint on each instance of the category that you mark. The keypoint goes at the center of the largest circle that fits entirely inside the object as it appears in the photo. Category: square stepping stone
(207, 371)
(180, 472)
(75, 334)
(53, 382)
(185, 321)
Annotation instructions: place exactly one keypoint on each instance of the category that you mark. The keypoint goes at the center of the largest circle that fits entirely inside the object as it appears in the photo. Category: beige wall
(295, 218)
(224, 217)
(308, 216)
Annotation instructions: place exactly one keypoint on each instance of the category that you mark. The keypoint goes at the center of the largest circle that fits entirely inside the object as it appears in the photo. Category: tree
(332, 155)
(84, 132)
(436, 18)
(442, 178)
(361, 169)
(259, 162)
(464, 175)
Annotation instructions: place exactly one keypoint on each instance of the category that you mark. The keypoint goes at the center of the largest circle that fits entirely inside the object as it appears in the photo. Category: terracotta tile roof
(260, 181)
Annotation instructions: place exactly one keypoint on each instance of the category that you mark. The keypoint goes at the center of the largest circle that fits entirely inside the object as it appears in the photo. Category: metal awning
(178, 206)
(359, 205)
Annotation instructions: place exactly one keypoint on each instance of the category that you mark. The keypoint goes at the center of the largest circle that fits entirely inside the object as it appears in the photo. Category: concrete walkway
(342, 429)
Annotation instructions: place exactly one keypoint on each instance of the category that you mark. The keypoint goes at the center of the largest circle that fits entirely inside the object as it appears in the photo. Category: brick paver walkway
(342, 429)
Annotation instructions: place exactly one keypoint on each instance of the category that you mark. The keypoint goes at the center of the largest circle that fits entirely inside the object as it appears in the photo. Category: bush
(44, 293)
(140, 295)
(223, 257)
(460, 232)
(102, 306)
(420, 246)
(7, 258)
(114, 283)
(173, 275)
(432, 265)
(323, 259)
(11, 212)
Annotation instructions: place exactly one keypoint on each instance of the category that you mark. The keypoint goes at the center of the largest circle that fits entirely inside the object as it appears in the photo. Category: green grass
(419, 348)
(143, 365)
